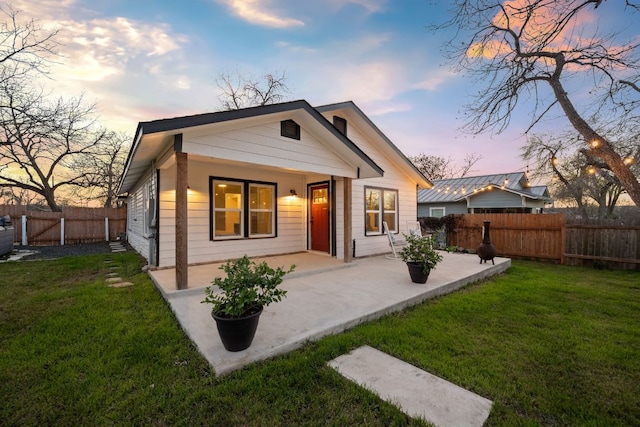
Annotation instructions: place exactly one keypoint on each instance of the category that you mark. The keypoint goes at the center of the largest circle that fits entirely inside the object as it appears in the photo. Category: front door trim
(330, 227)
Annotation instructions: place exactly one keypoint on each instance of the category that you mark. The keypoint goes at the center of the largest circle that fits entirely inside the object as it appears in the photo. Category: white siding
(291, 215)
(136, 232)
(263, 145)
(393, 179)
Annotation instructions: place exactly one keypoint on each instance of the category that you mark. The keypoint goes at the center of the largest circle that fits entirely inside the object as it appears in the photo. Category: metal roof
(456, 189)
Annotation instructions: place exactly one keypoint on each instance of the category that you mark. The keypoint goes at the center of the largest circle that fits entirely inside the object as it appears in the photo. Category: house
(498, 193)
(268, 180)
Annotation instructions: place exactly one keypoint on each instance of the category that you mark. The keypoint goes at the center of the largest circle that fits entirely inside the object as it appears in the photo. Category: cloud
(435, 79)
(97, 49)
(542, 23)
(371, 6)
(255, 12)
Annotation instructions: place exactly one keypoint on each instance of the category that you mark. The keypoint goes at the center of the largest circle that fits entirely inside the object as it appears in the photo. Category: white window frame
(393, 228)
(272, 210)
(216, 209)
(145, 208)
(444, 211)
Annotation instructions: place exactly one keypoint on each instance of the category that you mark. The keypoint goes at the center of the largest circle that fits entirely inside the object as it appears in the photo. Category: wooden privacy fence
(610, 243)
(513, 235)
(71, 226)
(603, 242)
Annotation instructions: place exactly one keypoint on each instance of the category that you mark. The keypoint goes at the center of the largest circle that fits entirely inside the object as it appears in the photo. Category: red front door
(319, 197)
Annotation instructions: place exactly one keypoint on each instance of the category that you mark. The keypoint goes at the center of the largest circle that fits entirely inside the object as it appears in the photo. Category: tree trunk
(603, 150)
(51, 200)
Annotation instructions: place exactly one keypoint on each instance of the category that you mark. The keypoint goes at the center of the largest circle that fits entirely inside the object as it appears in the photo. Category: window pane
(261, 223)
(372, 199)
(320, 195)
(389, 201)
(372, 223)
(227, 224)
(228, 196)
(390, 218)
(437, 212)
(261, 197)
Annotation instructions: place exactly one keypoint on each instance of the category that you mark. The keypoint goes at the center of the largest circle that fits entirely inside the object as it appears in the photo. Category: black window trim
(245, 208)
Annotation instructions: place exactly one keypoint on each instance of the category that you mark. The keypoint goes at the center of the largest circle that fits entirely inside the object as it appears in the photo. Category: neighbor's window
(261, 210)
(436, 212)
(227, 209)
(380, 205)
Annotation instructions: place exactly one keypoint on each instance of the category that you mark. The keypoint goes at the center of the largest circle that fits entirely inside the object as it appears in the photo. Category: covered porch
(325, 296)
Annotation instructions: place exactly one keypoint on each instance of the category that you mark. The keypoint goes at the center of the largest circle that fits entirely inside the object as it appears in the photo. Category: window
(242, 209)
(380, 205)
(261, 203)
(437, 212)
(290, 129)
(227, 207)
(340, 124)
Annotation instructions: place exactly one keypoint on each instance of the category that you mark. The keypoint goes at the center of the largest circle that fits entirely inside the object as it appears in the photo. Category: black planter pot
(237, 333)
(416, 272)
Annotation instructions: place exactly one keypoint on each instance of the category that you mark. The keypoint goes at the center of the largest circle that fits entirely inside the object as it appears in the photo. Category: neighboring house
(266, 180)
(499, 193)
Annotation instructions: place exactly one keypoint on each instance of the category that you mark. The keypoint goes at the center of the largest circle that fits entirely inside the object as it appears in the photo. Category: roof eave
(423, 181)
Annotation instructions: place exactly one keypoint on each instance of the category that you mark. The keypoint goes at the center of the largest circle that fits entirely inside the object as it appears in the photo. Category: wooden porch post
(181, 215)
(348, 226)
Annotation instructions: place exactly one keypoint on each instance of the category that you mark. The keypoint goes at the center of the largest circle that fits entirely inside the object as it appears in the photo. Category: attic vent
(340, 124)
(290, 129)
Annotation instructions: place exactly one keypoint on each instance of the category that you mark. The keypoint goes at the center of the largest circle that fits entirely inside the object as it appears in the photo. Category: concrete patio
(325, 296)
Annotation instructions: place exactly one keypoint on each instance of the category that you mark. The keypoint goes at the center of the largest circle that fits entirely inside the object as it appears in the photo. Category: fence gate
(81, 225)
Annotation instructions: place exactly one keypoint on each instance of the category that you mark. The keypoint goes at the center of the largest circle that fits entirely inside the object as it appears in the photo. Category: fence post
(563, 240)
(106, 228)
(24, 230)
(61, 231)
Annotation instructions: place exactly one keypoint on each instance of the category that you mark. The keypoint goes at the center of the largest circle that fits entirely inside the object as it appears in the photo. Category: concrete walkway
(417, 393)
(325, 296)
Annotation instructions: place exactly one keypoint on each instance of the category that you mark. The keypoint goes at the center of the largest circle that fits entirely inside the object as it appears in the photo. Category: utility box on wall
(6, 235)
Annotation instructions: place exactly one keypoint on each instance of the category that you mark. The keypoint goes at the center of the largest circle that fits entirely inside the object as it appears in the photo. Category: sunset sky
(148, 59)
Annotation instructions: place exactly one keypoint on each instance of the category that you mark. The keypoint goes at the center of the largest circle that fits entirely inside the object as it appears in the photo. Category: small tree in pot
(238, 299)
(420, 256)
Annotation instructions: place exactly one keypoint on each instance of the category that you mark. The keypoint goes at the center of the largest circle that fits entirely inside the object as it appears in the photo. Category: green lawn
(550, 345)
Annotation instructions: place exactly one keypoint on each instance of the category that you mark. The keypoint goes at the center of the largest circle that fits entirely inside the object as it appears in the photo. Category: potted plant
(238, 299)
(420, 256)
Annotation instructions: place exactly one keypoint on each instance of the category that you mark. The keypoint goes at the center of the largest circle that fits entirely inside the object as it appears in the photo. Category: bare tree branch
(47, 144)
(535, 53)
(239, 91)
(436, 167)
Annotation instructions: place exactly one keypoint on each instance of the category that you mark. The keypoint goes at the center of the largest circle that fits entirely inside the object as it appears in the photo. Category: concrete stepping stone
(114, 279)
(120, 285)
(417, 393)
(112, 274)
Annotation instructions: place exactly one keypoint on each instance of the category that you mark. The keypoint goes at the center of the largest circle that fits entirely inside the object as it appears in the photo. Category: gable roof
(143, 152)
(457, 189)
(357, 114)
